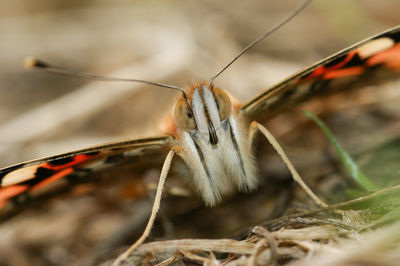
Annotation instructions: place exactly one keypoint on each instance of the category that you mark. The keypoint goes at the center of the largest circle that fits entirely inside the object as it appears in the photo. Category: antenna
(31, 62)
(259, 39)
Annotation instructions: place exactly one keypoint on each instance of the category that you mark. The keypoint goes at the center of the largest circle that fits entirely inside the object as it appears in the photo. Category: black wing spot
(92, 153)
(41, 174)
(355, 61)
(336, 60)
(61, 161)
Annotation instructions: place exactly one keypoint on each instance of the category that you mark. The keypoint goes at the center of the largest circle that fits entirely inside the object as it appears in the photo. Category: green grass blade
(351, 166)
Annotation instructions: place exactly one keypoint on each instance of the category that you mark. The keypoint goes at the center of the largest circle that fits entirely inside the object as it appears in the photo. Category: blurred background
(176, 42)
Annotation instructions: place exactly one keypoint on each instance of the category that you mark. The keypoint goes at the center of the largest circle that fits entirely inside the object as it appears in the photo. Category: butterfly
(371, 61)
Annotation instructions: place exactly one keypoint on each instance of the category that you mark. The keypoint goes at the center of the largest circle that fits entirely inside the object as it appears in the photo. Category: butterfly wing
(21, 181)
(368, 62)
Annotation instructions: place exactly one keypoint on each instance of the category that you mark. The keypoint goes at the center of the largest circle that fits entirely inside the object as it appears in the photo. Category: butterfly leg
(154, 210)
(254, 127)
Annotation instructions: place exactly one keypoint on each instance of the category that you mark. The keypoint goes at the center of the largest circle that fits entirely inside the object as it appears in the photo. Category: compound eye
(183, 115)
(223, 102)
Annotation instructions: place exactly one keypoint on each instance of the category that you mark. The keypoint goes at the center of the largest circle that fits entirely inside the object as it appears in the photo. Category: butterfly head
(202, 110)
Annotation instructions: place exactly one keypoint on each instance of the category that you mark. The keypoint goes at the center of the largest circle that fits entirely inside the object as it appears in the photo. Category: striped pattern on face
(224, 163)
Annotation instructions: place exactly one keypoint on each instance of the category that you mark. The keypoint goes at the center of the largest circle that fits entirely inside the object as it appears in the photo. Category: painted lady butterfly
(208, 128)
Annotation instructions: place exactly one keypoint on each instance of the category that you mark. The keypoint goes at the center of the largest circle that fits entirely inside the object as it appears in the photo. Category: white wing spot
(375, 46)
(19, 176)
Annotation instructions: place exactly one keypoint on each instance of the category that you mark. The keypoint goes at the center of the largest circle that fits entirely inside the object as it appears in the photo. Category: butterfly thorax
(213, 142)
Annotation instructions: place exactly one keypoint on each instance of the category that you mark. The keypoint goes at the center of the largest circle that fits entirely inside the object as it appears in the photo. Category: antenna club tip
(32, 62)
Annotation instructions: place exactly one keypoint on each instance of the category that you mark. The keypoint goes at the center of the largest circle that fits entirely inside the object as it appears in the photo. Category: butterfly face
(213, 143)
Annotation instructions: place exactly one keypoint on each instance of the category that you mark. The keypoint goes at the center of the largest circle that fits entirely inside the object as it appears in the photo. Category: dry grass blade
(315, 233)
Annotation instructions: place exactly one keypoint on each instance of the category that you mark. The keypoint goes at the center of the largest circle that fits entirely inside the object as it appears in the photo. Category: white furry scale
(217, 168)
